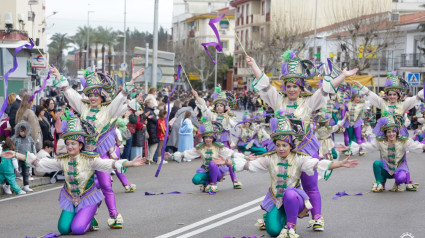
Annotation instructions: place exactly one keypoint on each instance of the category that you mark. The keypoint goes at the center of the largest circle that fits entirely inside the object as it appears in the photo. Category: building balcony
(412, 60)
(268, 17)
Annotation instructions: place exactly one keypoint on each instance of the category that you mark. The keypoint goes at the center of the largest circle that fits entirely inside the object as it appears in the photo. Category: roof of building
(230, 13)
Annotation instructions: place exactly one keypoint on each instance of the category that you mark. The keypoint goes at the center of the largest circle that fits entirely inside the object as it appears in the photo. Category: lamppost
(123, 65)
(88, 38)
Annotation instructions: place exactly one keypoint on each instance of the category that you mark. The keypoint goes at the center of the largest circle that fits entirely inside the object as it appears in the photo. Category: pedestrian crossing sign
(413, 79)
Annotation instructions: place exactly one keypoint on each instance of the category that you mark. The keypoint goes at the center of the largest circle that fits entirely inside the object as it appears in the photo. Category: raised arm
(372, 97)
(43, 165)
(73, 97)
(261, 83)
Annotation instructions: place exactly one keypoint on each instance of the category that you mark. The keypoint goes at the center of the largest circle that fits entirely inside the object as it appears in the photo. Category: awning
(366, 80)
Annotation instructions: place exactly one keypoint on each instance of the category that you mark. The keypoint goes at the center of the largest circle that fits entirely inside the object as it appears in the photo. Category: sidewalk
(38, 181)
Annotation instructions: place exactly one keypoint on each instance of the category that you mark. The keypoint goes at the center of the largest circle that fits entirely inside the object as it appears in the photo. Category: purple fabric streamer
(6, 76)
(149, 194)
(166, 119)
(330, 65)
(217, 44)
(247, 120)
(42, 87)
(341, 194)
(50, 235)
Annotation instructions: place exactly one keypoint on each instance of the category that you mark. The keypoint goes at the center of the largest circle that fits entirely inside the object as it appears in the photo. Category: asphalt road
(229, 213)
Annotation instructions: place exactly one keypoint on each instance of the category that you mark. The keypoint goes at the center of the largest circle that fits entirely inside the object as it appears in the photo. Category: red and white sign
(38, 61)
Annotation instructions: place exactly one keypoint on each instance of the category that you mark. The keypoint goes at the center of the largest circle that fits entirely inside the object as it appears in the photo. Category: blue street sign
(413, 79)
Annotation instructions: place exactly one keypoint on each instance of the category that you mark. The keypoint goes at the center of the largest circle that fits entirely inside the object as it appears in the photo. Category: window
(262, 8)
(242, 12)
(225, 44)
(247, 14)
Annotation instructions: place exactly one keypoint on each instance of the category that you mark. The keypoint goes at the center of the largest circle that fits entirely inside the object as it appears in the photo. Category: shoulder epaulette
(200, 145)
(269, 153)
(62, 156)
(89, 154)
(219, 144)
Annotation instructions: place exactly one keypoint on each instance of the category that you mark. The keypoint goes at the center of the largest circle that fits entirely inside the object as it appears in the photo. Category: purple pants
(357, 134)
(216, 174)
(310, 187)
(77, 223)
(105, 184)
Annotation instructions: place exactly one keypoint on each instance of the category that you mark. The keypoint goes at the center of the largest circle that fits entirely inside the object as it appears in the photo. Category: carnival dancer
(324, 133)
(392, 147)
(393, 102)
(209, 173)
(299, 102)
(419, 134)
(221, 113)
(285, 199)
(354, 120)
(80, 197)
(342, 97)
(262, 135)
(99, 115)
(248, 137)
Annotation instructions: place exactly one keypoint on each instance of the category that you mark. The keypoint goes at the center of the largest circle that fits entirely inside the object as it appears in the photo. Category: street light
(215, 76)
(88, 37)
(124, 69)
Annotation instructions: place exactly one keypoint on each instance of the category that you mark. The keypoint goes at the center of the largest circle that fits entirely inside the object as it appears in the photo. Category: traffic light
(175, 77)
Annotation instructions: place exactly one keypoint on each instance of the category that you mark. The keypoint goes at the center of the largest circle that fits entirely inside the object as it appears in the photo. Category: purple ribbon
(217, 44)
(166, 119)
(149, 194)
(247, 120)
(41, 89)
(50, 235)
(6, 76)
(341, 194)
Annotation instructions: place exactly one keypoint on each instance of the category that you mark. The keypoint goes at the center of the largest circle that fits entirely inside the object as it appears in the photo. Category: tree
(363, 37)
(59, 43)
(195, 59)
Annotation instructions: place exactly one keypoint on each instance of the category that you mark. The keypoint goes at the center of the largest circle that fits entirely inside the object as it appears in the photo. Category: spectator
(44, 124)
(177, 105)
(162, 126)
(23, 144)
(122, 127)
(152, 126)
(173, 141)
(138, 122)
(8, 168)
(45, 152)
(14, 108)
(26, 114)
(49, 105)
(186, 133)
(152, 95)
(10, 100)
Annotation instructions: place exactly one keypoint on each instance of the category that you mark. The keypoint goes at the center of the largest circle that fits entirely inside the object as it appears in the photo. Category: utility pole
(124, 69)
(155, 46)
(215, 76)
(88, 38)
(315, 30)
(146, 66)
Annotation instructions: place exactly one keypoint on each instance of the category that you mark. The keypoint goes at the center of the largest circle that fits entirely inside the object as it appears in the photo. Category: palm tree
(108, 38)
(59, 42)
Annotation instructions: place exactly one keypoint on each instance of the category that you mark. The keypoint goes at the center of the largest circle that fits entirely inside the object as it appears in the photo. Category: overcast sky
(72, 14)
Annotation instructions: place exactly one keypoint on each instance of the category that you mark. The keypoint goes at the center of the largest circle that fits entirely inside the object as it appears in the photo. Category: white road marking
(219, 223)
(209, 219)
(30, 194)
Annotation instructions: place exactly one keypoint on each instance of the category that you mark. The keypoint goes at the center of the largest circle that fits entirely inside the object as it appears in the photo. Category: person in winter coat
(43, 122)
(151, 128)
(26, 114)
(23, 144)
(173, 140)
(14, 108)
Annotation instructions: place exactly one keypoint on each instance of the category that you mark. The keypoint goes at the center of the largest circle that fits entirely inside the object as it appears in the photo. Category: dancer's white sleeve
(267, 91)
(186, 155)
(108, 165)
(308, 165)
(261, 164)
(414, 146)
(366, 147)
(45, 165)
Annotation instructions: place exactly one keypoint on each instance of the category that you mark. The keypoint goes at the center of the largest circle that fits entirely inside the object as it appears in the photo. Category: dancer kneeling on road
(79, 197)
(393, 147)
(286, 199)
(209, 173)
